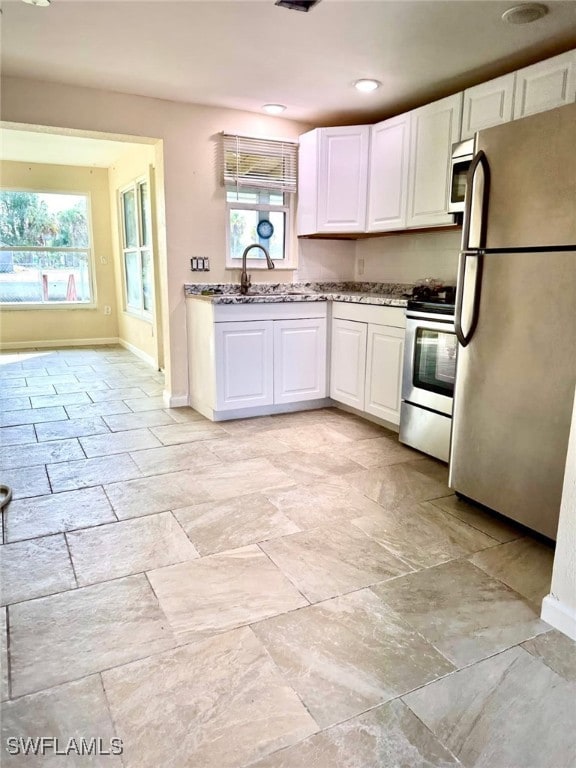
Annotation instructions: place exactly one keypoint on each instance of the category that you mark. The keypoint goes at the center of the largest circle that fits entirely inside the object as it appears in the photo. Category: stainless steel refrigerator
(516, 320)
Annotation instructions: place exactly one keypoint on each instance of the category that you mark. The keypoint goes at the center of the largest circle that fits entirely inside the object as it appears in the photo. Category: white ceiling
(33, 147)
(244, 53)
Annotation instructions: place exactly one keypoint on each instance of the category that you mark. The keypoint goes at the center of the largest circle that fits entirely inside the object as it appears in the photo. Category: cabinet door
(299, 360)
(384, 372)
(348, 362)
(488, 104)
(434, 129)
(244, 365)
(343, 178)
(307, 212)
(546, 85)
(388, 174)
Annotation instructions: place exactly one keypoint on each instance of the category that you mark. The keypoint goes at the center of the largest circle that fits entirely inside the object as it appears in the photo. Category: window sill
(138, 316)
(5, 306)
(261, 267)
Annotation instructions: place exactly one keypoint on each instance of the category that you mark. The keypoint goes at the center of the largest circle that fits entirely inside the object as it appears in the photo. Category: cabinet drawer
(290, 310)
(369, 313)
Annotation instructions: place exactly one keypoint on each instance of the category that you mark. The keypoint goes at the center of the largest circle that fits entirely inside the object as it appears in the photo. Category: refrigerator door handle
(473, 238)
(476, 207)
(465, 336)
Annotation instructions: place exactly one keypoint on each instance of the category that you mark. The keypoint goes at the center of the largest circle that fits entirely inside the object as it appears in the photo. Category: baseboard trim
(267, 410)
(175, 401)
(138, 352)
(367, 416)
(55, 343)
(559, 616)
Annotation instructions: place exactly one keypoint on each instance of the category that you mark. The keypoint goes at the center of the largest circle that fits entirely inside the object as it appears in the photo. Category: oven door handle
(464, 337)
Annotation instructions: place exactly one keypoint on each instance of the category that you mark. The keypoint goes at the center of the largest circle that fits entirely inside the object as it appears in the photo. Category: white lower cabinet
(384, 360)
(254, 359)
(348, 362)
(244, 365)
(367, 358)
(299, 360)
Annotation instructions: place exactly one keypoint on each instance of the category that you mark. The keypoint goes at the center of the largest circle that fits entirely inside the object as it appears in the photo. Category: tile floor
(297, 591)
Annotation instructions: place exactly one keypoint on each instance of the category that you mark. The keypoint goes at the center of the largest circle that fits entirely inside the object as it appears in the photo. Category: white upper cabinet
(388, 174)
(546, 85)
(333, 180)
(488, 104)
(395, 175)
(435, 128)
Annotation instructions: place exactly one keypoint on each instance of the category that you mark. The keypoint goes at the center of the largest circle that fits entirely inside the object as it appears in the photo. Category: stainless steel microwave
(462, 154)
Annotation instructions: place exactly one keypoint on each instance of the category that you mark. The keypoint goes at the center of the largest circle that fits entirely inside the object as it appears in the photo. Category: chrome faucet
(244, 276)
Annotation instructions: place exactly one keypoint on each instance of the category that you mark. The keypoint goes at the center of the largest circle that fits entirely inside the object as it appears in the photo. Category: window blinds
(259, 163)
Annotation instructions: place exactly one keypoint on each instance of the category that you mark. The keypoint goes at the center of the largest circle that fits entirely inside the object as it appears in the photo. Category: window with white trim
(45, 249)
(137, 249)
(260, 180)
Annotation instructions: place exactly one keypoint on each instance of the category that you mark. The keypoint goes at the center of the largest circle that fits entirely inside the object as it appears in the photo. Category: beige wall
(326, 260)
(409, 257)
(194, 199)
(134, 164)
(61, 324)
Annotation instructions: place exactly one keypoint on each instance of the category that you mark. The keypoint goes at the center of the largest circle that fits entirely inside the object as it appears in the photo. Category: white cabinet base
(256, 359)
(367, 417)
(265, 410)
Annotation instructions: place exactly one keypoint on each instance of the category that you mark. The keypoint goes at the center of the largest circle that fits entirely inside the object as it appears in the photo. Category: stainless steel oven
(428, 378)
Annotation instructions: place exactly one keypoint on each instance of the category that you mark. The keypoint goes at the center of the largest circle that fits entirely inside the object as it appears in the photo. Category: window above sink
(260, 180)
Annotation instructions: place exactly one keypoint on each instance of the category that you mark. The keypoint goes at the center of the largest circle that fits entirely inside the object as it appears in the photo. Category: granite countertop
(386, 294)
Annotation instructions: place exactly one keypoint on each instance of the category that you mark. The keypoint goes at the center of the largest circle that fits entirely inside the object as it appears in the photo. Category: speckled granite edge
(387, 294)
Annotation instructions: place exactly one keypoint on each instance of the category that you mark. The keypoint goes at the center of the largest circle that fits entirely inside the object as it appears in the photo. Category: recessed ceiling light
(525, 13)
(39, 3)
(297, 5)
(365, 85)
(274, 109)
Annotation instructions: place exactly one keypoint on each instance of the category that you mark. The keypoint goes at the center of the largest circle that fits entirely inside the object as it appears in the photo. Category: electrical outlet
(107, 310)
(360, 266)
